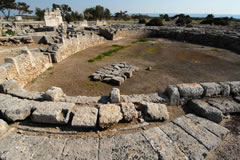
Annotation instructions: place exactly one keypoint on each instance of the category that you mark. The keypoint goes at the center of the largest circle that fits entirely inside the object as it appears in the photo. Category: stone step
(201, 134)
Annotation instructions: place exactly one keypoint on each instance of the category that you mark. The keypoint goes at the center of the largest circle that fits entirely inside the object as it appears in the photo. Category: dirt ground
(172, 63)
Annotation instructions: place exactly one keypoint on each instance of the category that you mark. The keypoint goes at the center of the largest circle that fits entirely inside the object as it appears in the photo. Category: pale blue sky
(148, 6)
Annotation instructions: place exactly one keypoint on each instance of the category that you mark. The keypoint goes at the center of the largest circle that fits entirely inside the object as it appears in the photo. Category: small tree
(39, 13)
(155, 22)
(6, 6)
(23, 8)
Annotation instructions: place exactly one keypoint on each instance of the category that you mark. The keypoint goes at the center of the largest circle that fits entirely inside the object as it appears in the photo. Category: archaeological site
(100, 86)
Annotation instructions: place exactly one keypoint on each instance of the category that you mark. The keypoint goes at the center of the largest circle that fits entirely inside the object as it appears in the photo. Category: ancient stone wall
(53, 18)
(25, 67)
(76, 44)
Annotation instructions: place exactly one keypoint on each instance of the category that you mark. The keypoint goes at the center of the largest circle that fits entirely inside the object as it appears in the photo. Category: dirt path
(172, 63)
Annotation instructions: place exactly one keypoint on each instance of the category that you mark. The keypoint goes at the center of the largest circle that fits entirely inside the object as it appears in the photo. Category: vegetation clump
(183, 20)
(107, 53)
(155, 22)
(216, 21)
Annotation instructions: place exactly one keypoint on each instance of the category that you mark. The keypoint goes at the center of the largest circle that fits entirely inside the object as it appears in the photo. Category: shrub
(216, 21)
(142, 21)
(183, 20)
(155, 22)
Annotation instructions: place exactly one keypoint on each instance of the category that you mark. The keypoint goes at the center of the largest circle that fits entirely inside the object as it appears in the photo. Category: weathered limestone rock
(154, 111)
(214, 128)
(203, 109)
(85, 117)
(52, 112)
(235, 88)
(225, 89)
(109, 114)
(14, 109)
(211, 89)
(115, 95)
(173, 94)
(24, 94)
(202, 135)
(226, 106)
(3, 127)
(137, 98)
(191, 91)
(8, 85)
(129, 111)
(54, 93)
(162, 144)
(126, 146)
(188, 145)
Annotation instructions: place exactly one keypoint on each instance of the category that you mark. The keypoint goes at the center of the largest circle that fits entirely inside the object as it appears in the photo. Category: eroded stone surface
(52, 112)
(173, 94)
(54, 93)
(85, 117)
(154, 111)
(235, 88)
(136, 98)
(129, 111)
(203, 109)
(208, 139)
(3, 127)
(191, 90)
(115, 95)
(225, 105)
(109, 114)
(212, 89)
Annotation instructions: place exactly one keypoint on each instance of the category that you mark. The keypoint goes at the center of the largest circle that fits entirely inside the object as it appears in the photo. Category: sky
(148, 6)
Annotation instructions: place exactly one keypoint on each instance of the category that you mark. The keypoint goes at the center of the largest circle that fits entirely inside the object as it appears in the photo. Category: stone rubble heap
(115, 74)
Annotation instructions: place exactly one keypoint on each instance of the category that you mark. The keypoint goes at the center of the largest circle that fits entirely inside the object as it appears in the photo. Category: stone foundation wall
(25, 67)
(76, 44)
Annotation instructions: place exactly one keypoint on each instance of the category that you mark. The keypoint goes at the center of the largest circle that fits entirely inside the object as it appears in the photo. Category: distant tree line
(210, 19)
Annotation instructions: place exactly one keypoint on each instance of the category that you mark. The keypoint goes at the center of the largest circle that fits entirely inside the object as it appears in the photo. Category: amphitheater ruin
(53, 125)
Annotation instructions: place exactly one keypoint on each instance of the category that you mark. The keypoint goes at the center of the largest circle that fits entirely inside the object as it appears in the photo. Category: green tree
(98, 12)
(121, 15)
(107, 14)
(39, 13)
(64, 8)
(6, 6)
(23, 8)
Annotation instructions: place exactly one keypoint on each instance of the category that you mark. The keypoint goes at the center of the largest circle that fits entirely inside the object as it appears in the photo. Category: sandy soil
(172, 63)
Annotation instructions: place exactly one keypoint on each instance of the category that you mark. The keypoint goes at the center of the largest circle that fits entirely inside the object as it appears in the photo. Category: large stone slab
(136, 98)
(126, 146)
(24, 94)
(85, 117)
(14, 109)
(54, 93)
(81, 148)
(214, 128)
(187, 144)
(52, 112)
(208, 139)
(154, 111)
(225, 105)
(109, 114)
(8, 85)
(162, 144)
(203, 109)
(191, 90)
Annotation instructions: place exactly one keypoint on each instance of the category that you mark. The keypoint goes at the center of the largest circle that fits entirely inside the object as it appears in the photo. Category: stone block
(8, 85)
(235, 88)
(109, 114)
(115, 95)
(52, 112)
(154, 111)
(225, 89)
(190, 90)
(203, 109)
(129, 111)
(85, 117)
(54, 93)
(117, 81)
(211, 89)
(173, 95)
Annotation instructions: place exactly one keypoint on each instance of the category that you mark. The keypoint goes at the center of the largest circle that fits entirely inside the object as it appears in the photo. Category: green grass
(107, 53)
(216, 50)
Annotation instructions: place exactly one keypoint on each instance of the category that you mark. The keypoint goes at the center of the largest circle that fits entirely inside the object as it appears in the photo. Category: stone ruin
(53, 18)
(115, 74)
(101, 23)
